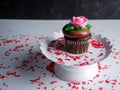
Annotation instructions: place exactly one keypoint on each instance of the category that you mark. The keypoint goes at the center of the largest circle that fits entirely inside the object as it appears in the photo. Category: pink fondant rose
(79, 21)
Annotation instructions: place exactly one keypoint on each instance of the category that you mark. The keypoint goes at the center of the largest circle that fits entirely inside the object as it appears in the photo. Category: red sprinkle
(31, 49)
(97, 75)
(8, 52)
(41, 83)
(84, 63)
(13, 74)
(97, 44)
(2, 77)
(60, 61)
(58, 53)
(99, 66)
(53, 82)
(101, 88)
(49, 50)
(19, 47)
(101, 54)
(74, 85)
(50, 67)
(83, 82)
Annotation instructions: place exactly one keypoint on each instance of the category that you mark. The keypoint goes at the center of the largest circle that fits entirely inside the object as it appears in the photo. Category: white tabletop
(23, 67)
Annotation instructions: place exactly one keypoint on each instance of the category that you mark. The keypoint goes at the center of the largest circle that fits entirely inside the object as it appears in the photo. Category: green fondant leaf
(88, 26)
(82, 28)
(69, 27)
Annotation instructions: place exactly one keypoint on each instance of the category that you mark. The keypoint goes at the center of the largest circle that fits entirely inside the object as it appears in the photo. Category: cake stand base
(71, 73)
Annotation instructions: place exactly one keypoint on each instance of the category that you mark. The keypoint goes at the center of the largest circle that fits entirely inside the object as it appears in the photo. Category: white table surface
(19, 49)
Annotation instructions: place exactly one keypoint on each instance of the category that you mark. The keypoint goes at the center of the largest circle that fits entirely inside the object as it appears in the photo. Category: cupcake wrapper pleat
(77, 46)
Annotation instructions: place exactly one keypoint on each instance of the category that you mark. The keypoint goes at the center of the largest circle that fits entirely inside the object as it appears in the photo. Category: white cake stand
(72, 67)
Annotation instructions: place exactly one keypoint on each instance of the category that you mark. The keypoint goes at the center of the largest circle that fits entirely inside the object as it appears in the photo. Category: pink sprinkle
(84, 63)
(97, 44)
(58, 53)
(100, 81)
(43, 56)
(13, 74)
(74, 87)
(31, 68)
(101, 88)
(103, 67)
(8, 52)
(39, 54)
(60, 61)
(101, 54)
(97, 75)
(49, 50)
(76, 83)
(93, 59)
(27, 39)
(83, 88)
(5, 84)
(67, 58)
(50, 67)
(38, 88)
(31, 49)
(117, 53)
(53, 82)
(90, 80)
(9, 41)
(17, 40)
(16, 58)
(61, 86)
(91, 52)
(114, 49)
(17, 48)
(41, 83)
(59, 47)
(99, 66)
(113, 82)
(2, 77)
(107, 81)
(86, 56)
(76, 58)
(83, 82)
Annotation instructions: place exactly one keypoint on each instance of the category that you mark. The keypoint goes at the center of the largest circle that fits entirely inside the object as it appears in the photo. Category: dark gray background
(59, 9)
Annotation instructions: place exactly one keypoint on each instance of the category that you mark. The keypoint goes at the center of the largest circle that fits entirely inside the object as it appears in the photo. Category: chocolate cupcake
(77, 35)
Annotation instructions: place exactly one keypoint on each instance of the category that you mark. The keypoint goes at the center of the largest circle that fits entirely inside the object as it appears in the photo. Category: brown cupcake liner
(77, 46)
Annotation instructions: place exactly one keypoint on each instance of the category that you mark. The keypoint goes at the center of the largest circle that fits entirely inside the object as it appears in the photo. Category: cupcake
(77, 35)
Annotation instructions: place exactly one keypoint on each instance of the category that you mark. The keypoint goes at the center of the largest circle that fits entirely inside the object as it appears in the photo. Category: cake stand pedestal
(71, 73)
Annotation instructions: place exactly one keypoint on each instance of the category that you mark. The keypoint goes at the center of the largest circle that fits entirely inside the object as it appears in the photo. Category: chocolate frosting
(79, 39)
(76, 33)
